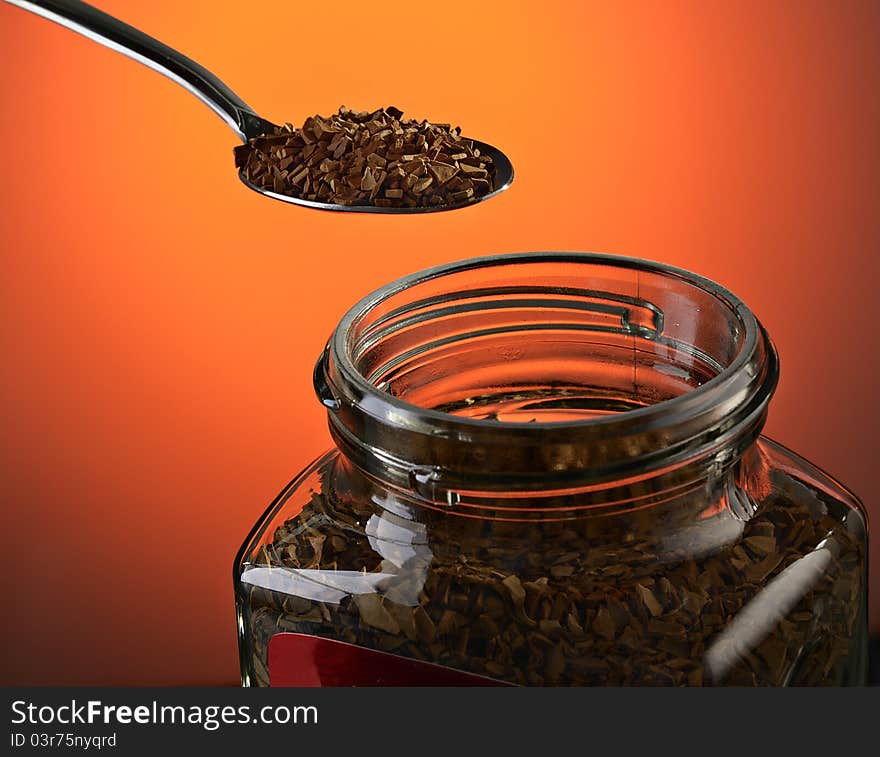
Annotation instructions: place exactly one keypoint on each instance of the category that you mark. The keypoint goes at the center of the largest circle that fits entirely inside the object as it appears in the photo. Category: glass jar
(548, 470)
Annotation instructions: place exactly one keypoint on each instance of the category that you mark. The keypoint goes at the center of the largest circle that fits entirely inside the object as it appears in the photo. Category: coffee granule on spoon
(369, 158)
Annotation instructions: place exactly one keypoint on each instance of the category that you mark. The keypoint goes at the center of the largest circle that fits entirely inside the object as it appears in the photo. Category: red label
(299, 660)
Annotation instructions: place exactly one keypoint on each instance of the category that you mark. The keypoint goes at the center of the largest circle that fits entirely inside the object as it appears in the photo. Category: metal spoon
(110, 32)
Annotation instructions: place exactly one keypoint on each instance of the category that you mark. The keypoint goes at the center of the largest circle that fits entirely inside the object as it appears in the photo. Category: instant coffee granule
(369, 158)
(558, 603)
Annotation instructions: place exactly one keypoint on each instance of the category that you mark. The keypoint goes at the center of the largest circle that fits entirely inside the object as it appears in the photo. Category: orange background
(159, 321)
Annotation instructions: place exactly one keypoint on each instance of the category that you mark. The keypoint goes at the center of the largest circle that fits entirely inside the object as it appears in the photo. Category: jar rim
(339, 382)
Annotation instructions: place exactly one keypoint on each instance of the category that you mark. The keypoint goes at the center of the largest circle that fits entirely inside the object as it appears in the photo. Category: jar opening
(525, 371)
(543, 342)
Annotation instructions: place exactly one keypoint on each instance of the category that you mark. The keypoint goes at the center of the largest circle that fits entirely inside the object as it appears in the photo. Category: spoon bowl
(240, 117)
(503, 179)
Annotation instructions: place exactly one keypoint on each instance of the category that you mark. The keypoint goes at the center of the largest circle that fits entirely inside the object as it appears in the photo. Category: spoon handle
(113, 33)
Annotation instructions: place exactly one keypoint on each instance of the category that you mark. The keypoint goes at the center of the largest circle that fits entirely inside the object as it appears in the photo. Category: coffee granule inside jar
(552, 603)
(369, 158)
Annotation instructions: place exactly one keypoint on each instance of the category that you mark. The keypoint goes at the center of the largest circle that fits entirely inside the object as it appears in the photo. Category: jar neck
(547, 377)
